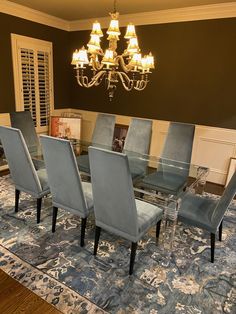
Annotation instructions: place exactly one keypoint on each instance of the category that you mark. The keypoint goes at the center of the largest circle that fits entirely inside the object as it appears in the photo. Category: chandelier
(130, 68)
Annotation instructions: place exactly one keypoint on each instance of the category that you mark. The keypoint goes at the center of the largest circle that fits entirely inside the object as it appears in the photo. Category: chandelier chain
(114, 6)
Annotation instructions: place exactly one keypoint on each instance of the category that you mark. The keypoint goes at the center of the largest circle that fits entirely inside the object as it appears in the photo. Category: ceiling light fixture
(129, 67)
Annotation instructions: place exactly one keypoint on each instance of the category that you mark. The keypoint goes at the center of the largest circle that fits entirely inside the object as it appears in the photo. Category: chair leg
(97, 236)
(83, 226)
(158, 228)
(39, 204)
(220, 230)
(213, 238)
(54, 218)
(17, 197)
(132, 257)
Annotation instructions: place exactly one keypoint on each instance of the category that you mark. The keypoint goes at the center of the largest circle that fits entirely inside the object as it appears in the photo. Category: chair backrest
(23, 121)
(224, 202)
(19, 160)
(104, 130)
(113, 195)
(179, 142)
(63, 174)
(138, 136)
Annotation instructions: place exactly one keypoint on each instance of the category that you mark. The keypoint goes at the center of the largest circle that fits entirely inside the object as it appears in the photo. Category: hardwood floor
(15, 298)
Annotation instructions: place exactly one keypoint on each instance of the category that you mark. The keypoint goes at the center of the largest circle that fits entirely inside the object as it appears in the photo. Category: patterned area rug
(55, 267)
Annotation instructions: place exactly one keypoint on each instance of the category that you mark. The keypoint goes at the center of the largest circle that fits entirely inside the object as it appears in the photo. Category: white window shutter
(33, 78)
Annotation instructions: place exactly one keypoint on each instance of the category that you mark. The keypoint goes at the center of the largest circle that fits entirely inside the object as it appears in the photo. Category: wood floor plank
(15, 298)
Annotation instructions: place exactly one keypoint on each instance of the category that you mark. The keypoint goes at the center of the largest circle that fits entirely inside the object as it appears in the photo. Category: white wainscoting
(212, 146)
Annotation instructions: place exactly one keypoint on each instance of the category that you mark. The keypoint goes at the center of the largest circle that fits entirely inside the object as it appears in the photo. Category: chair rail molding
(195, 13)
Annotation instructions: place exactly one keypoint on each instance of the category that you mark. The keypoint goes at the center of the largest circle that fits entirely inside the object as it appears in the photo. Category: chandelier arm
(127, 83)
(83, 80)
(140, 85)
(96, 65)
(97, 79)
(121, 60)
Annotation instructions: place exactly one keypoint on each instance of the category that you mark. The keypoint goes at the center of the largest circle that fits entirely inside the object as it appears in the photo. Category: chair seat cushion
(197, 211)
(83, 163)
(165, 182)
(148, 215)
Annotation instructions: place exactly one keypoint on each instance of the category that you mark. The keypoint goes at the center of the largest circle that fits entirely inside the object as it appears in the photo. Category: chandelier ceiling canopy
(130, 68)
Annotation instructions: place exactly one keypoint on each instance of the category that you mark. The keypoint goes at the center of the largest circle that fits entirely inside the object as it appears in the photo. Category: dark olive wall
(194, 80)
(61, 59)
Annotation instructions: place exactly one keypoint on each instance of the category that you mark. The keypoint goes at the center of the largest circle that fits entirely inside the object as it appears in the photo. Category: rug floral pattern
(70, 278)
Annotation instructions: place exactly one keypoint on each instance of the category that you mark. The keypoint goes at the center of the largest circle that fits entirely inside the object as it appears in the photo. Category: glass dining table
(142, 167)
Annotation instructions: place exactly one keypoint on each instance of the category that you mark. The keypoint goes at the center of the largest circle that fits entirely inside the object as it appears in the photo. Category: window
(33, 78)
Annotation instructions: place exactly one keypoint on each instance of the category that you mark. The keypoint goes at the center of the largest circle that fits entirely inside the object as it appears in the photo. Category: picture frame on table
(119, 137)
(231, 169)
(68, 128)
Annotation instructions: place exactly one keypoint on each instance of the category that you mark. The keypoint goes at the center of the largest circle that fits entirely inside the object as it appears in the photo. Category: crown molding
(203, 12)
(26, 13)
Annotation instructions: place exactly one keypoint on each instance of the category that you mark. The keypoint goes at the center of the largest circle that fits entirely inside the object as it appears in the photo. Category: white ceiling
(83, 9)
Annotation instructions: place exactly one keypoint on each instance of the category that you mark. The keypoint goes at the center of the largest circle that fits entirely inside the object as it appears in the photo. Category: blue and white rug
(56, 268)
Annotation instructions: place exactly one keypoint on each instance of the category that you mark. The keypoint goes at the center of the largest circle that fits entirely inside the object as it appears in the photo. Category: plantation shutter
(33, 78)
(28, 81)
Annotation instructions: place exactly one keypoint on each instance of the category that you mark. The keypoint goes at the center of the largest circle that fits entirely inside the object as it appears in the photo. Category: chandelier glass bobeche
(129, 67)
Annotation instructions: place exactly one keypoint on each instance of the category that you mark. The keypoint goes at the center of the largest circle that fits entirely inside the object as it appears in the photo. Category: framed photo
(231, 170)
(66, 127)
(120, 133)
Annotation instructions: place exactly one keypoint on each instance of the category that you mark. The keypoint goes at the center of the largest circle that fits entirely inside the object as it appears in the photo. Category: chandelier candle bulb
(94, 44)
(96, 30)
(133, 46)
(110, 67)
(114, 25)
(130, 32)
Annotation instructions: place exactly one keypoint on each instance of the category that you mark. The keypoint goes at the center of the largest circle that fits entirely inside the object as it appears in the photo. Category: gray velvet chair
(177, 151)
(115, 207)
(25, 177)
(68, 192)
(138, 142)
(102, 135)
(206, 213)
(23, 121)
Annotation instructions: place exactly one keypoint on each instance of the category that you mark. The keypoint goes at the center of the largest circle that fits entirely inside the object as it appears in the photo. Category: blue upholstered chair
(25, 177)
(102, 135)
(68, 192)
(138, 142)
(206, 213)
(23, 121)
(177, 151)
(115, 207)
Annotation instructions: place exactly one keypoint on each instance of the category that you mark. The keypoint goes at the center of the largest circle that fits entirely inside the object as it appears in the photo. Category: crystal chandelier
(130, 68)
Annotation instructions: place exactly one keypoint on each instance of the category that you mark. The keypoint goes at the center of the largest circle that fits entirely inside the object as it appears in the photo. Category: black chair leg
(158, 228)
(97, 236)
(39, 204)
(17, 197)
(83, 226)
(54, 218)
(213, 238)
(132, 257)
(220, 230)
